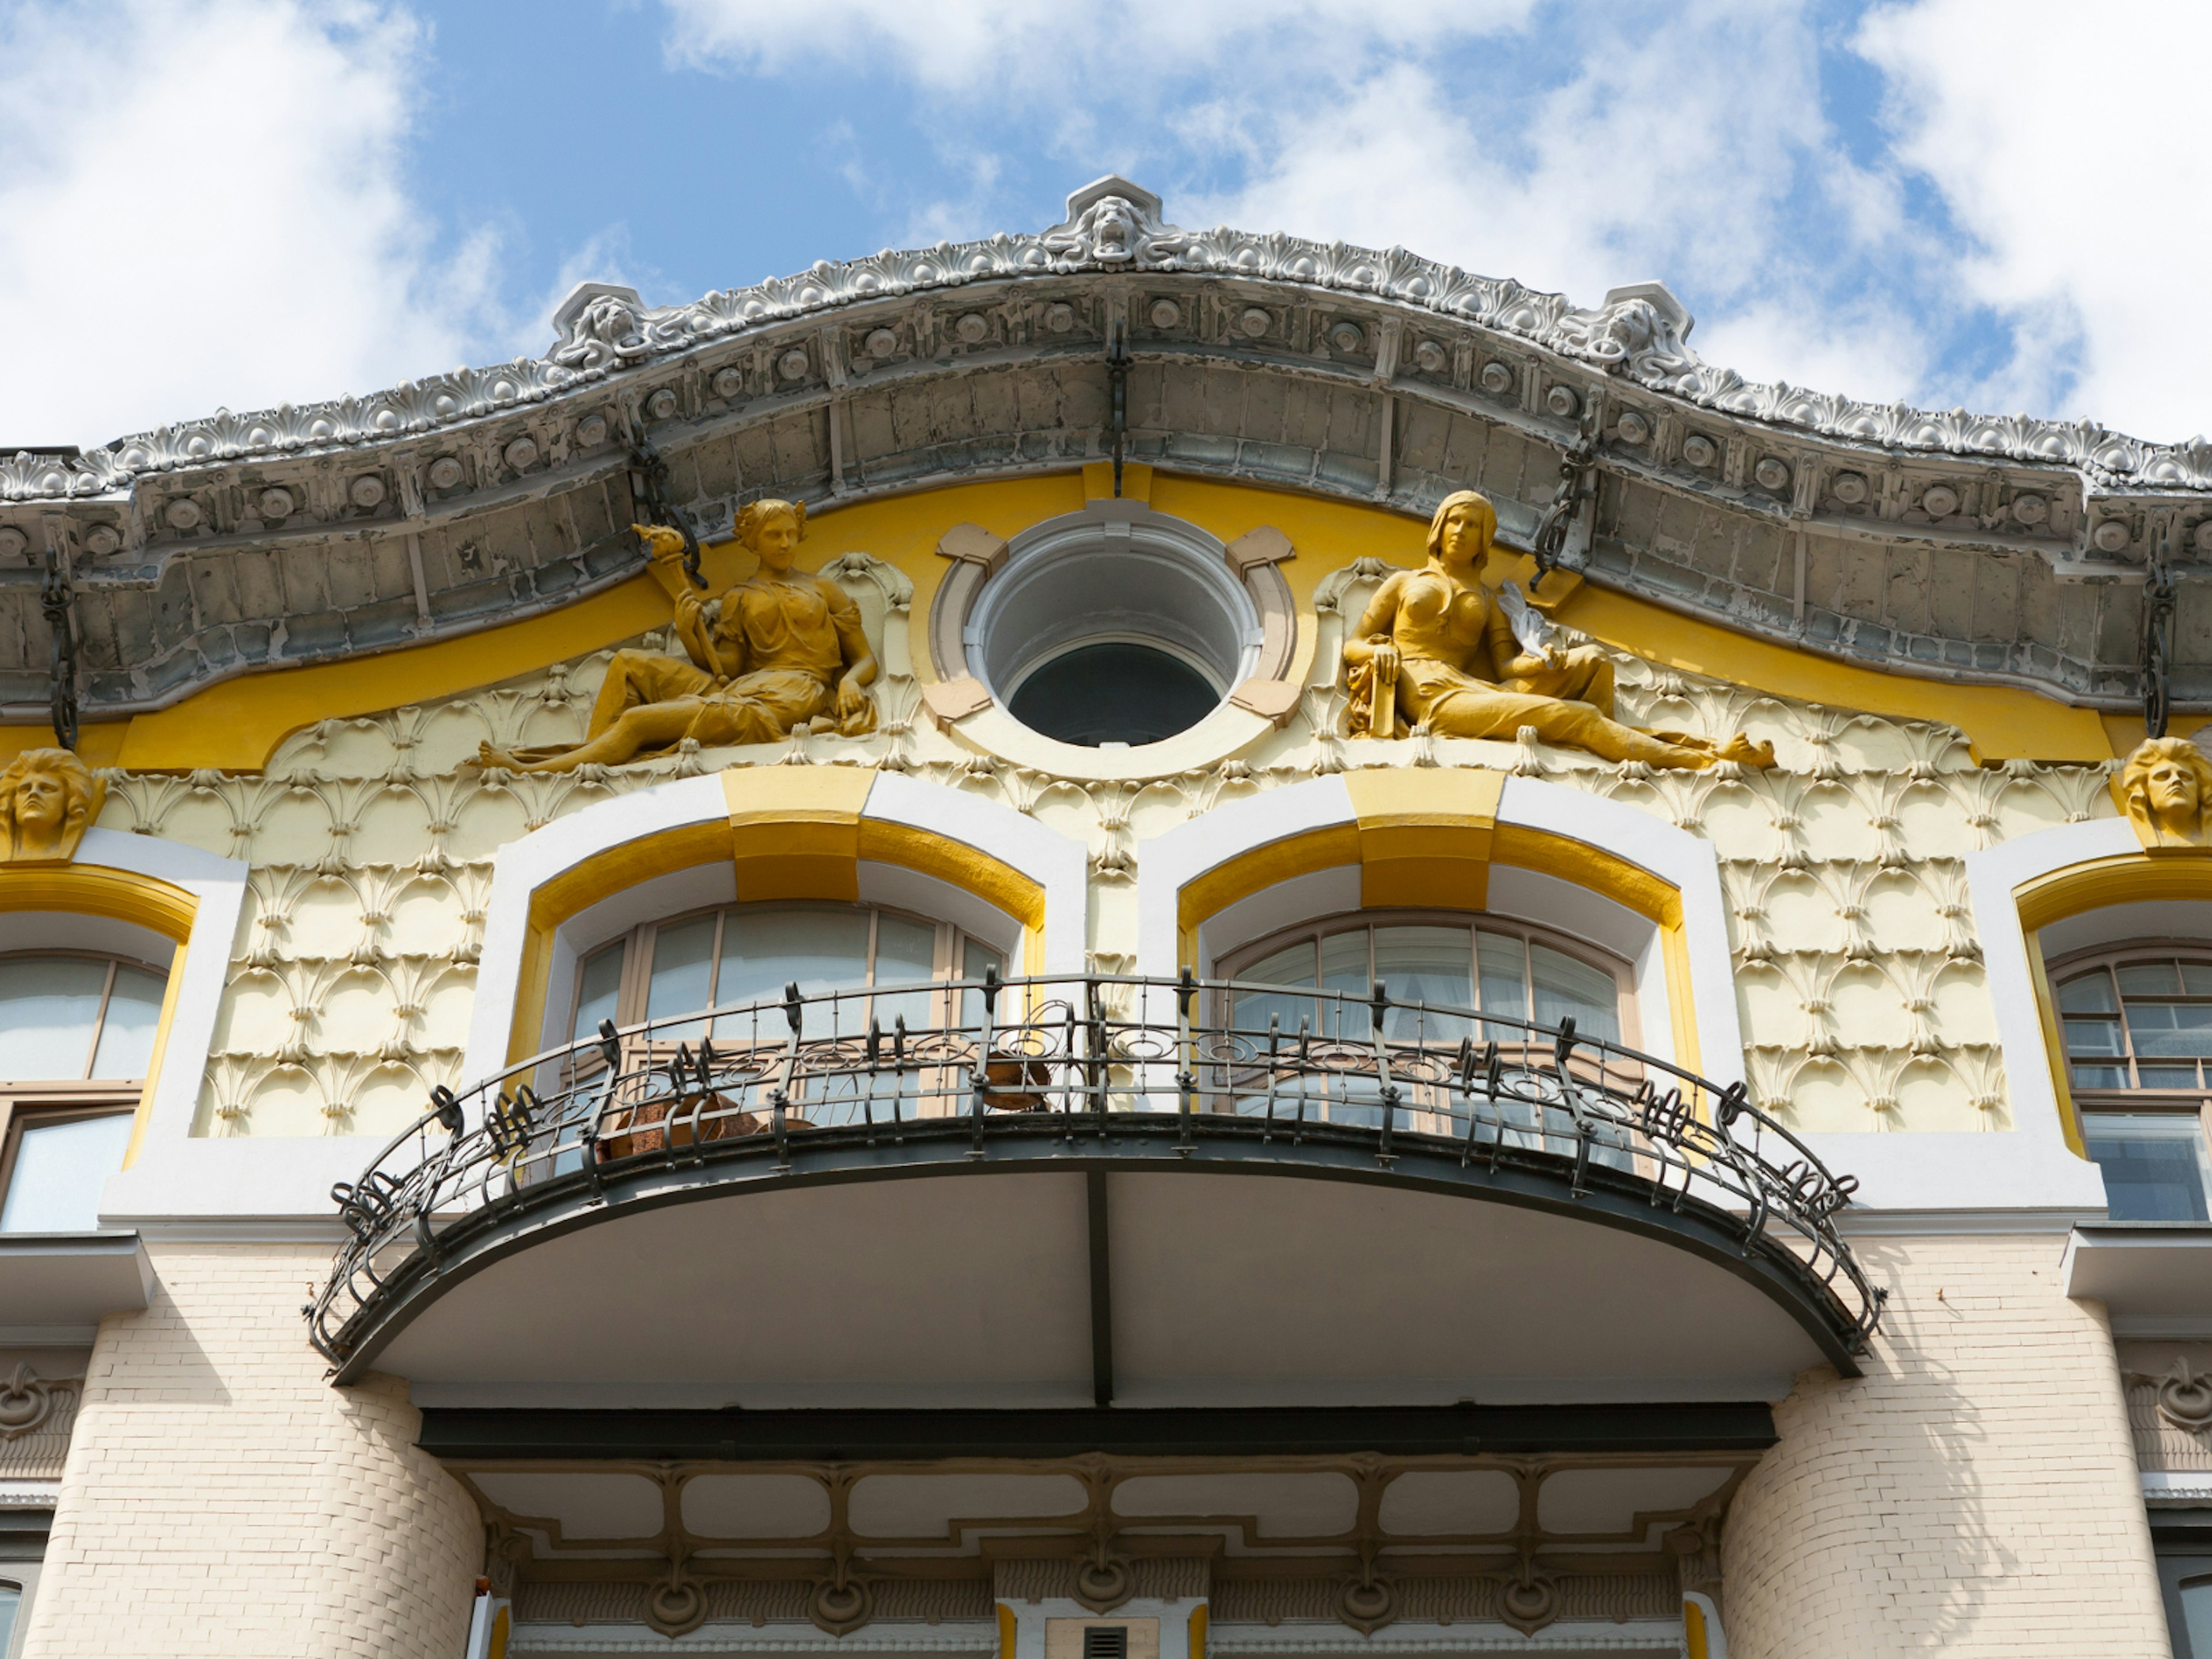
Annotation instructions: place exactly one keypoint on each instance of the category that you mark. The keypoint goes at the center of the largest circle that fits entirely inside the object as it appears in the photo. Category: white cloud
(2069, 145)
(203, 202)
(1615, 143)
(1017, 51)
(1685, 153)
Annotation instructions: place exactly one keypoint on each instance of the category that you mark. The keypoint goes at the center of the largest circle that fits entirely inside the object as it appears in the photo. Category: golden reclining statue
(784, 650)
(1436, 646)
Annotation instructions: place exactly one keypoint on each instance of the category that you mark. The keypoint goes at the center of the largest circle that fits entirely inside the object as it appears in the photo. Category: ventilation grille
(1106, 1642)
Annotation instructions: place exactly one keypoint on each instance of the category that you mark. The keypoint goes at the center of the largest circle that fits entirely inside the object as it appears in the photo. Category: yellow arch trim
(793, 833)
(1426, 837)
(2125, 878)
(95, 890)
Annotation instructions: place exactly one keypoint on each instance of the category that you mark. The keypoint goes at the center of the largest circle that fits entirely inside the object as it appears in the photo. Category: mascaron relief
(781, 651)
(48, 797)
(1434, 648)
(2166, 790)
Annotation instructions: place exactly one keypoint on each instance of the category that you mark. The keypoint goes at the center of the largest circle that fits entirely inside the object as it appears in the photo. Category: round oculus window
(1122, 629)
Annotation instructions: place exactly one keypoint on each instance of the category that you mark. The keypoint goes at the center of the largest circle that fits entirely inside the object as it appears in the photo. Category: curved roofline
(1112, 226)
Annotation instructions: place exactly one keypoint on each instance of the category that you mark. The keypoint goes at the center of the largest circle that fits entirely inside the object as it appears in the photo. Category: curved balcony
(1205, 1193)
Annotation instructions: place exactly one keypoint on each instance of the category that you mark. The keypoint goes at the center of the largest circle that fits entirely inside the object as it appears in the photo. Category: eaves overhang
(1999, 550)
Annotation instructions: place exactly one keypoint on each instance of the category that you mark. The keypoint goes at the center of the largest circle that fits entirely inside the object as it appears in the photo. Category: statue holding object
(1435, 646)
(780, 651)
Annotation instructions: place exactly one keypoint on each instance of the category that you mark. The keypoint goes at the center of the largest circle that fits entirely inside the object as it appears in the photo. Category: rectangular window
(2155, 1162)
(55, 1164)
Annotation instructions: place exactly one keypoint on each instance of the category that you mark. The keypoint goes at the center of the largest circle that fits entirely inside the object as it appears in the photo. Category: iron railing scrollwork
(1085, 1060)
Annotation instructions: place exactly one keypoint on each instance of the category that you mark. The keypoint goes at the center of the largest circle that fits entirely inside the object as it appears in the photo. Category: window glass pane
(974, 958)
(1433, 965)
(126, 1037)
(2094, 1037)
(59, 1170)
(1344, 967)
(823, 950)
(1567, 987)
(11, 1601)
(906, 954)
(1291, 965)
(598, 990)
(2196, 979)
(682, 977)
(2166, 1077)
(2088, 993)
(2100, 1077)
(2156, 1166)
(1503, 963)
(2149, 979)
(2197, 1616)
(2170, 1028)
(47, 1008)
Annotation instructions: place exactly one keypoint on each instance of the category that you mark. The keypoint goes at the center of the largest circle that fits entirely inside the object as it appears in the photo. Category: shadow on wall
(1866, 1529)
(175, 1368)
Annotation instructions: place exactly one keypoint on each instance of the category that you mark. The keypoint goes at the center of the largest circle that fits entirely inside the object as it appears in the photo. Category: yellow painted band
(1198, 1631)
(1006, 1623)
(237, 726)
(143, 1116)
(2125, 878)
(1694, 1631)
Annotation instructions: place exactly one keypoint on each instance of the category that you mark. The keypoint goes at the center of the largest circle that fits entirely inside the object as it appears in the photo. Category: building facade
(1122, 944)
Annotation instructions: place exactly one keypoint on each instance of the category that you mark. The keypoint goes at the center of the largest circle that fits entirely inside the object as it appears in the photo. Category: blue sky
(236, 202)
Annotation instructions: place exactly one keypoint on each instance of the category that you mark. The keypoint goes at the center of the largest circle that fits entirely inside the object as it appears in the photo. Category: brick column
(1975, 1493)
(221, 1498)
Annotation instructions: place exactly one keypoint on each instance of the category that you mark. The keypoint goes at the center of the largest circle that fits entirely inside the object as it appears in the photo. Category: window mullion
(99, 1021)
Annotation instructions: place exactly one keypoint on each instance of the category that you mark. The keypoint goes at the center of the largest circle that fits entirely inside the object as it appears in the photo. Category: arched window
(76, 1035)
(2138, 1034)
(750, 953)
(1489, 964)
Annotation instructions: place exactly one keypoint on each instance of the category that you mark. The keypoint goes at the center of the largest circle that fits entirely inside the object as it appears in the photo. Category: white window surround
(1167, 863)
(1056, 863)
(217, 886)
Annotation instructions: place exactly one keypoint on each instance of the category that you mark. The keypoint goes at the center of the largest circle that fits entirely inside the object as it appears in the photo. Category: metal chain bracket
(649, 488)
(1576, 486)
(58, 599)
(2157, 647)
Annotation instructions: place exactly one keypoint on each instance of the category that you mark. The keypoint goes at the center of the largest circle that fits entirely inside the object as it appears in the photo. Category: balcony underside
(1047, 1270)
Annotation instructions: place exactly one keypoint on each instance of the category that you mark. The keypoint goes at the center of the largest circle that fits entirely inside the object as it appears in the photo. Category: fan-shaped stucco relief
(370, 843)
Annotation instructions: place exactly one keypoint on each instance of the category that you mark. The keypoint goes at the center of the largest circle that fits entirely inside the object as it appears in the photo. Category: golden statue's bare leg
(648, 726)
(1579, 726)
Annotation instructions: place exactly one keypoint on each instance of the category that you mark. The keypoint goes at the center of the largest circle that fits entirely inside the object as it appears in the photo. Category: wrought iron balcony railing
(1091, 1059)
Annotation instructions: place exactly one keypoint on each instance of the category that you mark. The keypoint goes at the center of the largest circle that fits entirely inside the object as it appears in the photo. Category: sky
(232, 203)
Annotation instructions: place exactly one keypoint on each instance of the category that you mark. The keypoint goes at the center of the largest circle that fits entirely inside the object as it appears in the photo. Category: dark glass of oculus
(1113, 692)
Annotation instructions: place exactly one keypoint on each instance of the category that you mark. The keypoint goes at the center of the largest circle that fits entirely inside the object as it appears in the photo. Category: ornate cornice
(1113, 227)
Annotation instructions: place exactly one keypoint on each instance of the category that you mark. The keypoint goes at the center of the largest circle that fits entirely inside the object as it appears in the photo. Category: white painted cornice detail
(1112, 228)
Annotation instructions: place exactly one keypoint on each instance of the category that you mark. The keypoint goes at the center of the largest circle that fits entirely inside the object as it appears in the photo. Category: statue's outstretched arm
(852, 650)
